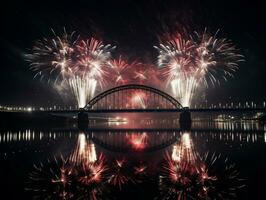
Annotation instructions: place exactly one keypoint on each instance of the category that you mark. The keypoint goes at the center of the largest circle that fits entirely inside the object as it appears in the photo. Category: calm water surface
(212, 160)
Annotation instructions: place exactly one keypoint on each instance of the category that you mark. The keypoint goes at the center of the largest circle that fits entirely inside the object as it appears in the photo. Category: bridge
(142, 98)
(138, 98)
(133, 98)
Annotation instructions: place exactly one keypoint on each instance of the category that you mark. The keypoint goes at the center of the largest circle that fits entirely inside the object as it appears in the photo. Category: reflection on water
(155, 164)
(188, 175)
(173, 124)
(138, 139)
(183, 175)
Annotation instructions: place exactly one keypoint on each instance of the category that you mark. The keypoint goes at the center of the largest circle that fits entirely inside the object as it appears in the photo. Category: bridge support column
(83, 119)
(185, 119)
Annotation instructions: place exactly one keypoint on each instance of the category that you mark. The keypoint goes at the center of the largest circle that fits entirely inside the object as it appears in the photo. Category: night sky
(133, 26)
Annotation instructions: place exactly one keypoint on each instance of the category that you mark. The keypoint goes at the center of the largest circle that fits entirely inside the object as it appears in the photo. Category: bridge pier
(83, 119)
(185, 119)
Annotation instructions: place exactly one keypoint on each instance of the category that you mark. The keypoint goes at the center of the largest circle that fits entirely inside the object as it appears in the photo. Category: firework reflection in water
(123, 173)
(52, 180)
(80, 176)
(84, 153)
(90, 169)
(186, 175)
(137, 141)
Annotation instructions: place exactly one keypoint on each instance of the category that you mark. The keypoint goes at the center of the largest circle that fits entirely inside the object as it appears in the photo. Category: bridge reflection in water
(118, 159)
(90, 165)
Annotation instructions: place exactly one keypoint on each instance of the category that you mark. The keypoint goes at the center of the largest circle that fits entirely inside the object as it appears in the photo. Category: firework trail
(188, 61)
(73, 63)
(83, 89)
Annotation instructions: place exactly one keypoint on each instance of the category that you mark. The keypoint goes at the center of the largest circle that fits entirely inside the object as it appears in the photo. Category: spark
(138, 100)
(138, 141)
(119, 174)
(188, 62)
(140, 169)
(187, 175)
(83, 89)
(121, 69)
(71, 63)
(51, 179)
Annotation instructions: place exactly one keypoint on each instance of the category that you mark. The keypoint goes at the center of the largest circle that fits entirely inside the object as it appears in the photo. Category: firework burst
(121, 71)
(52, 58)
(216, 58)
(77, 65)
(188, 61)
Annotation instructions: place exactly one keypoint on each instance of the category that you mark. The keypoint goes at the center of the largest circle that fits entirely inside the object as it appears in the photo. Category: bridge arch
(133, 96)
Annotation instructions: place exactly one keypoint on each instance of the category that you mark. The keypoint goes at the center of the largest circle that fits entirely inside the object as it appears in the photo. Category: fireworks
(185, 150)
(121, 71)
(186, 62)
(53, 58)
(76, 64)
(186, 175)
(138, 141)
(80, 176)
(122, 173)
(139, 100)
(215, 57)
(119, 175)
(52, 180)
(84, 153)
(82, 88)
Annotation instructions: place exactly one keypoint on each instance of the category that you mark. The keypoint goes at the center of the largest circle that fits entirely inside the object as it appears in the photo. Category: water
(110, 161)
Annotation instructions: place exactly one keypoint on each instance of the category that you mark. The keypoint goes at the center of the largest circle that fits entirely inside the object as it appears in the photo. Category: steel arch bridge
(133, 97)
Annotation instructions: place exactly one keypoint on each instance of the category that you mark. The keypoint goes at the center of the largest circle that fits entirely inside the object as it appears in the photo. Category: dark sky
(133, 26)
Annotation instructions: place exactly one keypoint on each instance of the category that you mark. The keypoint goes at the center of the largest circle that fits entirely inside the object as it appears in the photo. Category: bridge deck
(166, 110)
